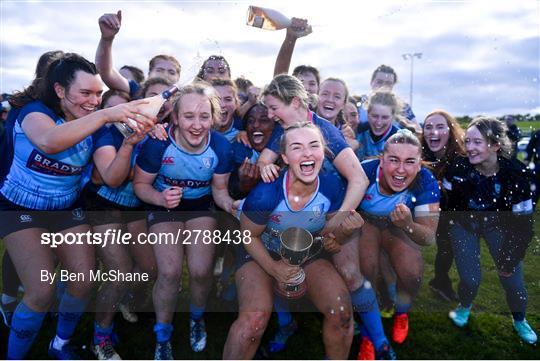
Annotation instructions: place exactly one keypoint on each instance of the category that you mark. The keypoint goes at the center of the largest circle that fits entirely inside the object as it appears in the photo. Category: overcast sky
(479, 57)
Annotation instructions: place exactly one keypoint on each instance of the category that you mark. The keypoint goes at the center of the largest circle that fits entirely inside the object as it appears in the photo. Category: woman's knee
(169, 275)
(39, 298)
(339, 316)
(253, 324)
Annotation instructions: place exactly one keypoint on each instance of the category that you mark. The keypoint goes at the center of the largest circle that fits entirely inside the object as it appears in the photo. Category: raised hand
(110, 24)
(401, 217)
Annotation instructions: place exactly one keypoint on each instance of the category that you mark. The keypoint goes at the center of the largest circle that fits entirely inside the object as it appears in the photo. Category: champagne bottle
(267, 19)
(151, 108)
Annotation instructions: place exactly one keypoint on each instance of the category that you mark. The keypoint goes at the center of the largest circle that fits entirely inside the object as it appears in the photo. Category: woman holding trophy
(303, 199)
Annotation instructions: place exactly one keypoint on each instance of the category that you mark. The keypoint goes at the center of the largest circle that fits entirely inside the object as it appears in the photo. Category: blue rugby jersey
(425, 191)
(267, 204)
(44, 181)
(176, 167)
(369, 147)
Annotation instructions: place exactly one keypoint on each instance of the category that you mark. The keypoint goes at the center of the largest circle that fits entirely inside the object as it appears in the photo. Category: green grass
(528, 127)
(489, 334)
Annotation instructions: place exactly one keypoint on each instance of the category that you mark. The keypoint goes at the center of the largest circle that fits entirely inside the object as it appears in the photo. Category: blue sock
(61, 287)
(163, 332)
(25, 325)
(518, 316)
(282, 309)
(70, 311)
(392, 291)
(99, 332)
(365, 303)
(195, 313)
(363, 330)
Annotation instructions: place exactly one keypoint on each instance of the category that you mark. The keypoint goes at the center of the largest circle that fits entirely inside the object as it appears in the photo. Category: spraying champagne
(152, 108)
(268, 19)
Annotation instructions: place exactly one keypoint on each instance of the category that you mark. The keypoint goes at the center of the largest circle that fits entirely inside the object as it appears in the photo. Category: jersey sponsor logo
(167, 160)
(368, 197)
(275, 218)
(41, 163)
(207, 162)
(187, 183)
(25, 218)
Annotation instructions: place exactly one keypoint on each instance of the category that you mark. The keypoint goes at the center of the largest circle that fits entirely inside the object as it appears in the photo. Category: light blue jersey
(424, 191)
(267, 204)
(44, 181)
(176, 167)
(368, 146)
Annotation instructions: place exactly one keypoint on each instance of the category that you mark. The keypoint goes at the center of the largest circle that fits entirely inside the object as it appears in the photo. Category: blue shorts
(15, 218)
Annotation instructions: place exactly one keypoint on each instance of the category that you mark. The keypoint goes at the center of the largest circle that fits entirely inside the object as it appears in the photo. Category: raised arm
(298, 29)
(109, 24)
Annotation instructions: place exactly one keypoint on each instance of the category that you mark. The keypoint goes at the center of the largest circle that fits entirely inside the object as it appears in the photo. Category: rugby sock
(163, 332)
(364, 302)
(70, 311)
(101, 331)
(195, 313)
(518, 316)
(61, 287)
(25, 325)
(282, 310)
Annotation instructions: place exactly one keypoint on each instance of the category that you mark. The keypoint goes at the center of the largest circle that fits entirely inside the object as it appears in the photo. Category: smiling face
(478, 148)
(332, 99)
(400, 164)
(380, 118)
(82, 97)
(259, 127)
(193, 122)
(228, 102)
(281, 112)
(167, 107)
(304, 153)
(436, 133)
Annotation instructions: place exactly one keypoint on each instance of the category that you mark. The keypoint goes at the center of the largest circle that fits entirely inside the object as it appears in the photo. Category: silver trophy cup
(295, 244)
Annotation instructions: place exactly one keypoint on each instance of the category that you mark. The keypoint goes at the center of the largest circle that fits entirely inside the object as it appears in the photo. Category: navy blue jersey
(333, 137)
(241, 152)
(425, 190)
(6, 144)
(176, 167)
(368, 146)
(267, 204)
(124, 194)
(44, 181)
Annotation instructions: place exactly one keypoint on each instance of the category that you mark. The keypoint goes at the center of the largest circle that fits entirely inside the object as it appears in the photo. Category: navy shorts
(15, 218)
(102, 211)
(186, 210)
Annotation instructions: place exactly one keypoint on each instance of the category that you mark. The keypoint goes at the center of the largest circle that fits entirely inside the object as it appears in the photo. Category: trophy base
(290, 291)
